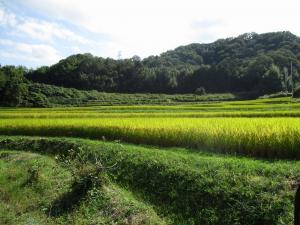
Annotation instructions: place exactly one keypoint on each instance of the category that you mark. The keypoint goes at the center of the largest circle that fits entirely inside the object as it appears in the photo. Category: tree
(2, 80)
(14, 90)
(272, 80)
(297, 91)
(256, 70)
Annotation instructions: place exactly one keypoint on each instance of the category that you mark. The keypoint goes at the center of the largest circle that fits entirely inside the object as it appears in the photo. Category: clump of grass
(33, 175)
(87, 176)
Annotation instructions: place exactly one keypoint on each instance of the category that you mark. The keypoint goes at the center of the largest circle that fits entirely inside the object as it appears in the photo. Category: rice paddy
(263, 128)
(206, 163)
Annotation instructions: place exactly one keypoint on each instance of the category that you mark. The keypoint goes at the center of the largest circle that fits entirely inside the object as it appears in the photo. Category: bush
(38, 100)
(200, 91)
(297, 91)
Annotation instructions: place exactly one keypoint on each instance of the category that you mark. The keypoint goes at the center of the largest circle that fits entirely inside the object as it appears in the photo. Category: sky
(41, 32)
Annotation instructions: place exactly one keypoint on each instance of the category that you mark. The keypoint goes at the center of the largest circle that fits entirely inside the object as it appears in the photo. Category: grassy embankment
(180, 186)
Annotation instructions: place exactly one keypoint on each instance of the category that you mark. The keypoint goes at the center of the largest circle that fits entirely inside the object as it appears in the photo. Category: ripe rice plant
(260, 137)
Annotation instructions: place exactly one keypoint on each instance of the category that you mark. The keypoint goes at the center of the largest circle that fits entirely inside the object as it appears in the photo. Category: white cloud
(7, 18)
(38, 53)
(146, 27)
(151, 26)
(75, 49)
(6, 42)
(35, 40)
(38, 29)
(46, 31)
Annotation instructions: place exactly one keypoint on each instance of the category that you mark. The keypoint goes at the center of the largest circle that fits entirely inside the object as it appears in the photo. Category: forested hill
(249, 62)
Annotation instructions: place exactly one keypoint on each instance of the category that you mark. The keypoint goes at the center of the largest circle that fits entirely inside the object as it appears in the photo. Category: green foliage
(43, 95)
(200, 91)
(28, 184)
(87, 177)
(2, 80)
(13, 89)
(297, 91)
(247, 62)
(272, 80)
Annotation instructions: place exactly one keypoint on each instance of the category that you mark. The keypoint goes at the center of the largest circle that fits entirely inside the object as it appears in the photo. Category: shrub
(200, 91)
(297, 91)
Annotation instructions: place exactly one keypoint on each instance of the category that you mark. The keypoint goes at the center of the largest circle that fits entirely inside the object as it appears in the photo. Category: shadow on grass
(67, 202)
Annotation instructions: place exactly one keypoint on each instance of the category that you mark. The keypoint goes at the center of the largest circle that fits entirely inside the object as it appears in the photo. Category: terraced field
(209, 163)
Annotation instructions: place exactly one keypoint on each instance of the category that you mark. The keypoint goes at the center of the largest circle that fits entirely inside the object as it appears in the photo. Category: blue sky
(41, 32)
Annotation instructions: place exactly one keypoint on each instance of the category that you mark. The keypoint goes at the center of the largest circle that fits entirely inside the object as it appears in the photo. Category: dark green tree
(13, 89)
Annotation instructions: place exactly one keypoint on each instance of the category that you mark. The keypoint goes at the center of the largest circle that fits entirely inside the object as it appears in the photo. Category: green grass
(23, 199)
(185, 186)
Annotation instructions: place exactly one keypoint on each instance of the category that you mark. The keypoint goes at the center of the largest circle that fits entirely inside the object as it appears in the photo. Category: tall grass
(260, 137)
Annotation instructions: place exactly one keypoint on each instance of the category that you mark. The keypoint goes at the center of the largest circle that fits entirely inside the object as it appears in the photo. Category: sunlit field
(167, 164)
(263, 128)
(149, 113)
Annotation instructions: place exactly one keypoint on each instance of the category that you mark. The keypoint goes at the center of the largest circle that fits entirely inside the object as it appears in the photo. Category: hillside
(250, 62)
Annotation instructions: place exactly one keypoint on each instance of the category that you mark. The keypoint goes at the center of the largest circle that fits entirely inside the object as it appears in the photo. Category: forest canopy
(249, 62)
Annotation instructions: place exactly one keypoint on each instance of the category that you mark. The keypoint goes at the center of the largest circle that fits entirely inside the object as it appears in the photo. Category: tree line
(249, 62)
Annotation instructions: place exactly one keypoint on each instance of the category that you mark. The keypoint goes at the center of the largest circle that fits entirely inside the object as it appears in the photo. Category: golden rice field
(184, 184)
(262, 128)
